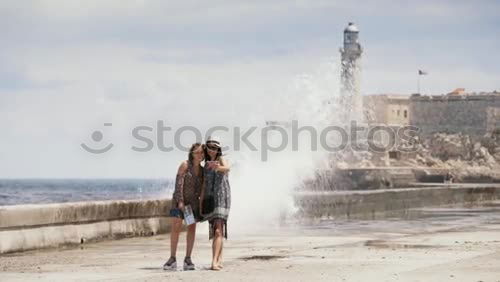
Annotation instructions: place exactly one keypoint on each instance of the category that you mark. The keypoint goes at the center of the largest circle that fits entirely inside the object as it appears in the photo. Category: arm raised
(223, 166)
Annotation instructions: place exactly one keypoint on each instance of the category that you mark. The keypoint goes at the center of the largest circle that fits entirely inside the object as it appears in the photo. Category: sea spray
(262, 191)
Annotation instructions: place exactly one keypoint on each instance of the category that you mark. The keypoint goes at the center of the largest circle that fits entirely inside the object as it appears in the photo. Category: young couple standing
(206, 190)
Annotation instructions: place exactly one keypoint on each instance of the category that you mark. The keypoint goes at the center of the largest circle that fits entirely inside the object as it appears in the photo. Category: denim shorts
(177, 213)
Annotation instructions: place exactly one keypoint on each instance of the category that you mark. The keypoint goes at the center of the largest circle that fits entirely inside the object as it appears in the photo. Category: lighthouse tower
(350, 97)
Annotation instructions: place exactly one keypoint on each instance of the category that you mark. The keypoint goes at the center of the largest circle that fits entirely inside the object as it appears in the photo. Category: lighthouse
(350, 97)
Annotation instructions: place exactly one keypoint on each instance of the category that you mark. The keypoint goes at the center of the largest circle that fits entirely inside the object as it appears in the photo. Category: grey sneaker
(188, 264)
(171, 264)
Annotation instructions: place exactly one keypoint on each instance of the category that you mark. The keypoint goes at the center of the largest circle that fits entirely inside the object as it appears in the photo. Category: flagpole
(419, 73)
(418, 83)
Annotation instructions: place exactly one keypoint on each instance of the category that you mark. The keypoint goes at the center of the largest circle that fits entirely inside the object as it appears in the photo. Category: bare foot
(215, 267)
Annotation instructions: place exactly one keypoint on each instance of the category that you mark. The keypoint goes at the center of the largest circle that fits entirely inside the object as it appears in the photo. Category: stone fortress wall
(473, 115)
(388, 109)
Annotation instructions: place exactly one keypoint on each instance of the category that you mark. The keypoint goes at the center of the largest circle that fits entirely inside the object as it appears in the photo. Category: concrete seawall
(27, 227)
(374, 203)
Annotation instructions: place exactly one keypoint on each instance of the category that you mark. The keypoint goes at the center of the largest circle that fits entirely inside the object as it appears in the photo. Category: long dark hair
(191, 150)
(207, 156)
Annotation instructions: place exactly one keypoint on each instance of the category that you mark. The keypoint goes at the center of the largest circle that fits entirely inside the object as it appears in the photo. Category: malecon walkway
(459, 243)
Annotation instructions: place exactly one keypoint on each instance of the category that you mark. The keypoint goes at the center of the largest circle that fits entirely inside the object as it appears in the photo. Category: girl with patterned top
(188, 186)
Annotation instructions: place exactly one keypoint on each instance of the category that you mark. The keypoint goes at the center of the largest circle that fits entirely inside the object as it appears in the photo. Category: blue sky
(68, 66)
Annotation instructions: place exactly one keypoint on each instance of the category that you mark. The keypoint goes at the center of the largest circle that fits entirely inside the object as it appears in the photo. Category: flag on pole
(421, 72)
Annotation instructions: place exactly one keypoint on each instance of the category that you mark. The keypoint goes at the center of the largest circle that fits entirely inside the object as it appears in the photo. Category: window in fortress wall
(394, 155)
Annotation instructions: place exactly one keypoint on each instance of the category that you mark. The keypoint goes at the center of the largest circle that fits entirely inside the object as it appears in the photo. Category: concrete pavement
(435, 244)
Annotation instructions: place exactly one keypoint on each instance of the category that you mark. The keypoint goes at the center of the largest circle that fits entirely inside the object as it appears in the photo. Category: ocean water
(43, 191)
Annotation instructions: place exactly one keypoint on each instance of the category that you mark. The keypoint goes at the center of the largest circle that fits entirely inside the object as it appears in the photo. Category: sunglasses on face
(212, 148)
